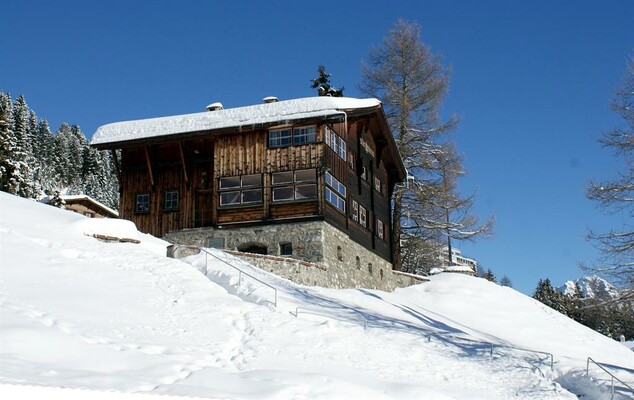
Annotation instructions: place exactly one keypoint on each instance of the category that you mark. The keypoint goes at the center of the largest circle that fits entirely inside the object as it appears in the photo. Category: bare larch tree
(428, 211)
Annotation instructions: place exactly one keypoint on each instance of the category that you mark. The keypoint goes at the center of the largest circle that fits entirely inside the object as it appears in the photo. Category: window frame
(363, 216)
(336, 143)
(355, 211)
(378, 185)
(335, 192)
(380, 229)
(239, 192)
(292, 136)
(172, 207)
(139, 210)
(294, 185)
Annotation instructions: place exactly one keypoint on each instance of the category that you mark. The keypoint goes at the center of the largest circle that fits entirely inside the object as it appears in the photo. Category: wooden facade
(236, 176)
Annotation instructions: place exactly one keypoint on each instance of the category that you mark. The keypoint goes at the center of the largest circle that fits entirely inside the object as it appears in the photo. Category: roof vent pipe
(215, 106)
(270, 99)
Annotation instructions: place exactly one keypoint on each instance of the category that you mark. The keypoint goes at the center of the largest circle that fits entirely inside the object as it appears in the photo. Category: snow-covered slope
(77, 312)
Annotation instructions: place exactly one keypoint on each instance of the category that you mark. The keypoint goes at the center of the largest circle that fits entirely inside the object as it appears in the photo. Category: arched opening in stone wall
(381, 272)
(339, 253)
(253, 247)
(370, 268)
(358, 263)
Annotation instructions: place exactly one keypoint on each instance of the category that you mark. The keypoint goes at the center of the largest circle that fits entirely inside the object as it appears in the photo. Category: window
(355, 211)
(304, 135)
(335, 200)
(364, 173)
(294, 185)
(351, 160)
(296, 136)
(142, 203)
(286, 249)
(335, 184)
(363, 218)
(280, 138)
(378, 185)
(171, 200)
(380, 229)
(239, 190)
(335, 197)
(216, 243)
(336, 143)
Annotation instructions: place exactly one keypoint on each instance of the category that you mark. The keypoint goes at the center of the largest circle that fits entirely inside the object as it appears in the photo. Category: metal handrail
(315, 312)
(240, 272)
(609, 373)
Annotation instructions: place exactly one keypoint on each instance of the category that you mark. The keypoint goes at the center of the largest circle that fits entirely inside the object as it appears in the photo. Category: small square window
(216, 243)
(363, 216)
(171, 200)
(286, 249)
(355, 211)
(378, 185)
(380, 229)
(142, 203)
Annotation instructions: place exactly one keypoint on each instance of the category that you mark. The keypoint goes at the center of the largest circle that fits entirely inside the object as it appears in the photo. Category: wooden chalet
(258, 178)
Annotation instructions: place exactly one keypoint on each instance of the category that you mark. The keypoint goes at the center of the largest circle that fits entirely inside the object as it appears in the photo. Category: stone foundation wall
(306, 238)
(322, 254)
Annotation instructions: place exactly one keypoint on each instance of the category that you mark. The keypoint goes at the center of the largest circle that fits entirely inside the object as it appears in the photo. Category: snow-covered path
(78, 312)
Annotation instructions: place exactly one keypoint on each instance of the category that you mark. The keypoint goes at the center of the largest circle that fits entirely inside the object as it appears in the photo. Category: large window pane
(282, 177)
(251, 180)
(283, 193)
(252, 196)
(228, 198)
(306, 175)
(229, 182)
(305, 192)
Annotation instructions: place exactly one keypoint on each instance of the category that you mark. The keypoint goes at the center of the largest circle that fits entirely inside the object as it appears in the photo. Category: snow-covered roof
(80, 197)
(287, 110)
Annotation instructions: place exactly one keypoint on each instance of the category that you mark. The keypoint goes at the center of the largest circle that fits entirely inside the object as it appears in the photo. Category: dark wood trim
(115, 161)
(180, 150)
(149, 165)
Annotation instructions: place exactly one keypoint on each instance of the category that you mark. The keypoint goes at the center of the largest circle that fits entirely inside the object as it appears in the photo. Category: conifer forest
(37, 163)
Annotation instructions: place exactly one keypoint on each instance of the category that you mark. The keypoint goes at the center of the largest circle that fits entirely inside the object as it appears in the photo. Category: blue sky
(531, 83)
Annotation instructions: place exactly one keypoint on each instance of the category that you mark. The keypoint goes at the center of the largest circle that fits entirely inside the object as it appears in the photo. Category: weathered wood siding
(194, 166)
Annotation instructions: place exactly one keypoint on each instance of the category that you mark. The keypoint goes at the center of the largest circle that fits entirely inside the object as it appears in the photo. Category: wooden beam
(149, 166)
(180, 148)
(115, 161)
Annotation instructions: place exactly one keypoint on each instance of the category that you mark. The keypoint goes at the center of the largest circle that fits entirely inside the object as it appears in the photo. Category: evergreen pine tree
(546, 294)
(322, 84)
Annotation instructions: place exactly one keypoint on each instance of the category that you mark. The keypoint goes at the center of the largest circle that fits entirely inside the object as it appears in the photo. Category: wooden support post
(115, 161)
(180, 148)
(149, 165)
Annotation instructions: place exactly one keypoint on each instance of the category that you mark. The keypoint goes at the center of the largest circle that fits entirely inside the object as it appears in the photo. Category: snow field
(77, 312)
